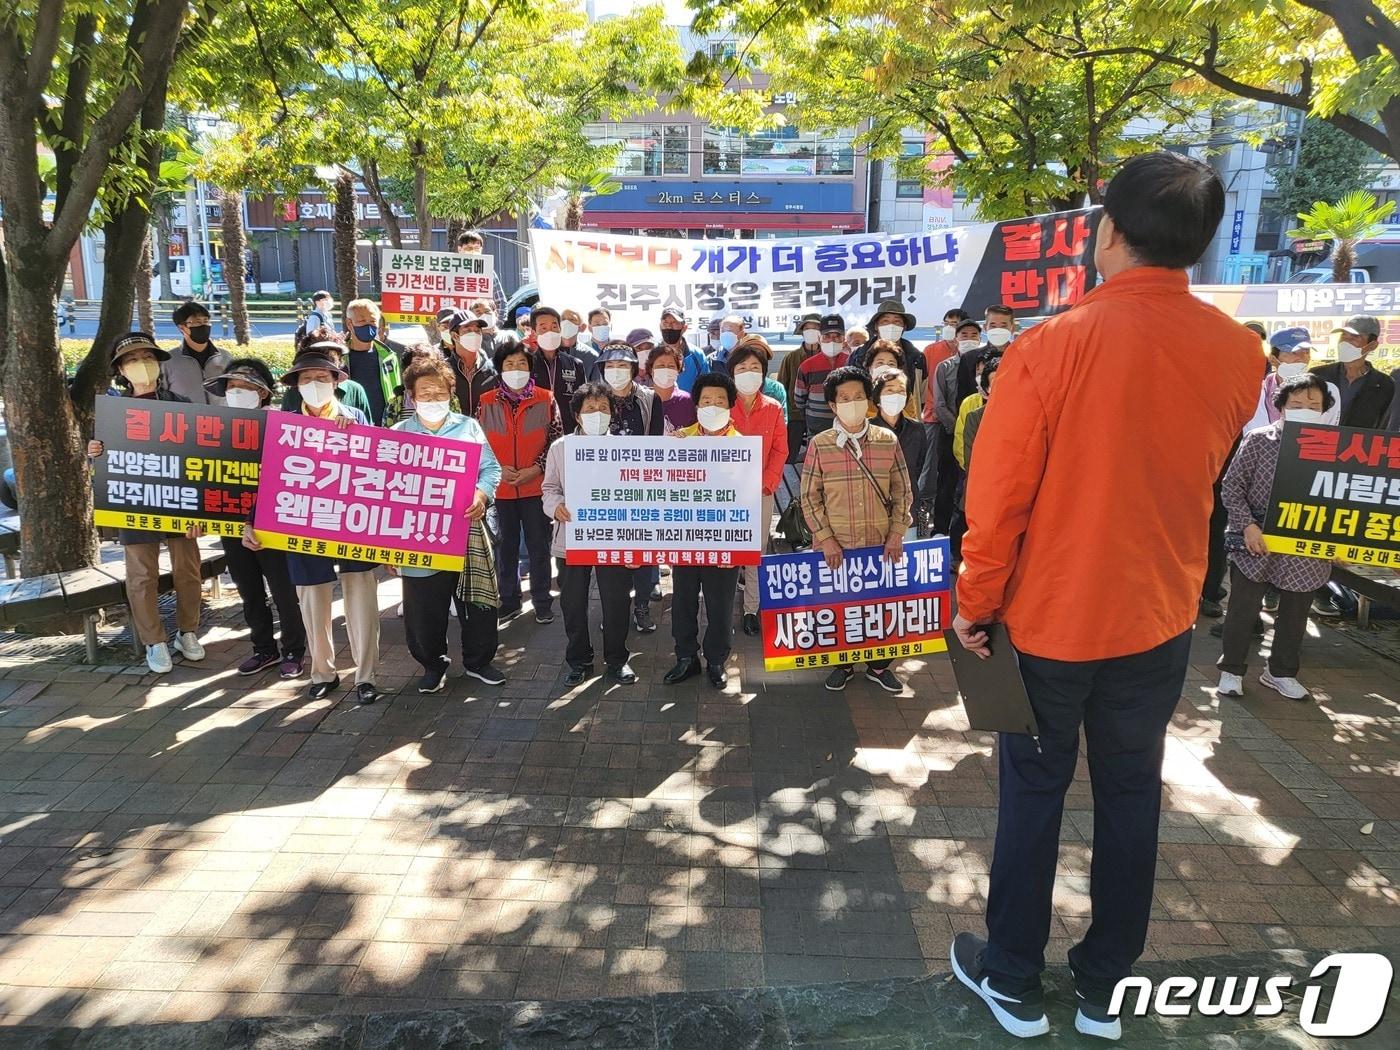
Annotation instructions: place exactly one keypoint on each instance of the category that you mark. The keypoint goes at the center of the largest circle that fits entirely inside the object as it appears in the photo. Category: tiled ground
(207, 846)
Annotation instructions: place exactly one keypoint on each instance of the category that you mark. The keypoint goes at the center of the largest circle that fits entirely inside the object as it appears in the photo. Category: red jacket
(766, 422)
(1088, 506)
(934, 355)
(519, 434)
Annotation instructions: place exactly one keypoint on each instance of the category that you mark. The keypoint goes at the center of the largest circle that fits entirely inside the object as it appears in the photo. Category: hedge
(276, 350)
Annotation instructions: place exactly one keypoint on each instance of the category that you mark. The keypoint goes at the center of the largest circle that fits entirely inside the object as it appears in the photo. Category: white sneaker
(1289, 687)
(187, 645)
(158, 658)
(1230, 685)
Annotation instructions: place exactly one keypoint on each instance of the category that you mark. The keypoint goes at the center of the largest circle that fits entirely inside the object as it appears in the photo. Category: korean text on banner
(1039, 265)
(416, 285)
(365, 493)
(865, 609)
(649, 501)
(1336, 495)
(170, 465)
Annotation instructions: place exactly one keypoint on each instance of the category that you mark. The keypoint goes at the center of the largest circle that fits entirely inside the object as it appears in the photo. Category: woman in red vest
(521, 421)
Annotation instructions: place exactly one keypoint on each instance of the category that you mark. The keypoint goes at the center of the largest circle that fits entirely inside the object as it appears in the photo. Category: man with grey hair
(731, 330)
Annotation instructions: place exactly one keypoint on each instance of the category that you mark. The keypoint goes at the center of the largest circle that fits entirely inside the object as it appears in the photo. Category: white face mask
(893, 404)
(237, 398)
(1302, 415)
(568, 329)
(967, 345)
(748, 383)
(548, 340)
(471, 340)
(595, 424)
(141, 373)
(1291, 369)
(892, 332)
(317, 394)
(489, 320)
(948, 333)
(515, 379)
(618, 378)
(852, 412)
(811, 336)
(998, 336)
(1347, 354)
(664, 378)
(432, 411)
(832, 349)
(712, 417)
(601, 333)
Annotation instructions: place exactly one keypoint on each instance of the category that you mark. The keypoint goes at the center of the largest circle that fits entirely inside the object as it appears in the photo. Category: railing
(71, 311)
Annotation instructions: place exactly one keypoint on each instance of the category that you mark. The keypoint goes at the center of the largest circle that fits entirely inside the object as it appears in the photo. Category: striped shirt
(809, 392)
(837, 498)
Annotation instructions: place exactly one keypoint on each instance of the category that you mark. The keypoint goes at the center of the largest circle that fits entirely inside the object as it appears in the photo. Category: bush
(276, 350)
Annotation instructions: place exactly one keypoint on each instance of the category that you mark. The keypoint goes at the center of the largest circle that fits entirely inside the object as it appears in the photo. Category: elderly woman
(428, 594)
(891, 396)
(663, 375)
(1245, 491)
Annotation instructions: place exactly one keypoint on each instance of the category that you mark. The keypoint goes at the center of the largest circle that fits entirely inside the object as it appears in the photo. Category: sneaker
(158, 658)
(506, 615)
(321, 690)
(291, 667)
(544, 616)
(642, 618)
(433, 681)
(258, 662)
(578, 673)
(399, 611)
(1094, 1019)
(187, 645)
(885, 679)
(366, 693)
(1271, 600)
(1230, 685)
(623, 673)
(1022, 1016)
(836, 681)
(1212, 609)
(751, 626)
(487, 673)
(1289, 687)
(1326, 608)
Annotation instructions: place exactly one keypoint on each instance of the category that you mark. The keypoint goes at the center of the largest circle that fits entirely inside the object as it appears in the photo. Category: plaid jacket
(838, 499)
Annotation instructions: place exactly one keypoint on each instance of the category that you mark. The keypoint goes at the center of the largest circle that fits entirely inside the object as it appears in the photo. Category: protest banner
(659, 500)
(402, 498)
(1336, 494)
(865, 609)
(1039, 265)
(416, 285)
(169, 465)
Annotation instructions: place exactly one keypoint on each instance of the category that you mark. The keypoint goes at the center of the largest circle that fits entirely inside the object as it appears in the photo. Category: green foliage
(1331, 163)
(1353, 218)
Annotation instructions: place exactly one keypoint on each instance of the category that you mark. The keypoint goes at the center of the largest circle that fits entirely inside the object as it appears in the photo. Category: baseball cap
(833, 324)
(640, 335)
(1286, 340)
(674, 313)
(806, 319)
(1363, 325)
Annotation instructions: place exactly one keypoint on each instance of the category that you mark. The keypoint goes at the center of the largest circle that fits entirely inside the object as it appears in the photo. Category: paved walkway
(208, 846)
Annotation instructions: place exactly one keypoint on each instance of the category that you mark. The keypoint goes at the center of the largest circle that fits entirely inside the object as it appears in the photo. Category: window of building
(780, 151)
(723, 50)
(1268, 232)
(909, 189)
(645, 149)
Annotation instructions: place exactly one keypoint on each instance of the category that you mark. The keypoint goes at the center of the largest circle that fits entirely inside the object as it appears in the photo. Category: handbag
(792, 526)
(884, 500)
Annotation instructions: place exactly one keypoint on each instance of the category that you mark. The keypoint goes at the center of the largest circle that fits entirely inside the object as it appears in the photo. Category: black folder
(992, 690)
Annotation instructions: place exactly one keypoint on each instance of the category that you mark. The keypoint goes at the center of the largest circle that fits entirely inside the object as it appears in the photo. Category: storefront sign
(416, 285)
(667, 195)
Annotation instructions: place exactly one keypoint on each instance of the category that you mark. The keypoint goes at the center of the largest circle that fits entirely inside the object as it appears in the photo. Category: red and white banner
(416, 285)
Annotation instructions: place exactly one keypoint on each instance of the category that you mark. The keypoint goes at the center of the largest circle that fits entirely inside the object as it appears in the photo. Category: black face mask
(199, 333)
(670, 336)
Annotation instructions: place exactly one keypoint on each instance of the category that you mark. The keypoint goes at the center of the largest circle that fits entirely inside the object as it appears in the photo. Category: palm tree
(346, 234)
(235, 270)
(596, 183)
(1353, 218)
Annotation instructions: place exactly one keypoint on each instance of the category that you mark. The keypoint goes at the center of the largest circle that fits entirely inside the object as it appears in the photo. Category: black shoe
(751, 623)
(433, 681)
(365, 693)
(641, 616)
(1023, 1016)
(622, 673)
(715, 673)
(321, 690)
(487, 673)
(578, 673)
(686, 667)
(1326, 608)
(656, 593)
(836, 681)
(885, 679)
(546, 616)
(506, 615)
(1211, 608)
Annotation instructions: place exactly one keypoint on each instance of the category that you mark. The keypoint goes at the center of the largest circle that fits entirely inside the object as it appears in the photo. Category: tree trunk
(235, 275)
(346, 234)
(573, 212)
(165, 227)
(142, 287)
(456, 226)
(296, 261)
(420, 200)
(255, 267)
(370, 167)
(1343, 255)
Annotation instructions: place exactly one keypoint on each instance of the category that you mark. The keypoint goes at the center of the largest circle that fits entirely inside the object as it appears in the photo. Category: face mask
(727, 340)
(515, 379)
(236, 398)
(199, 333)
(665, 378)
(893, 404)
(432, 411)
(548, 340)
(141, 373)
(601, 333)
(998, 336)
(317, 394)
(1291, 369)
(712, 417)
(618, 378)
(966, 345)
(595, 424)
(489, 320)
(670, 336)
(811, 336)
(831, 349)
(892, 332)
(365, 332)
(1346, 353)
(568, 329)
(470, 340)
(948, 333)
(748, 383)
(1302, 415)
(852, 412)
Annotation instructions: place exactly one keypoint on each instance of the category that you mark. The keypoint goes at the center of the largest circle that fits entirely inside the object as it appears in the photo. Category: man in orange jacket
(1092, 490)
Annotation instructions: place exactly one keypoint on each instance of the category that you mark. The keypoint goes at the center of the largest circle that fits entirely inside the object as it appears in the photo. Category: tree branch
(48, 26)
